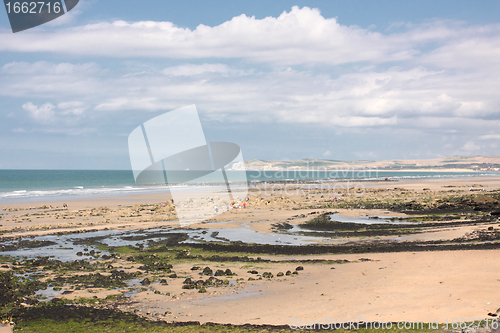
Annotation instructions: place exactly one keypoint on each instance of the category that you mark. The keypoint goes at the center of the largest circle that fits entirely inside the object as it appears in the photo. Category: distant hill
(452, 163)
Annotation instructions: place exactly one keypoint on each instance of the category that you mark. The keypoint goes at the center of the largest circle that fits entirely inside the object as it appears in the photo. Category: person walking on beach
(244, 205)
(216, 209)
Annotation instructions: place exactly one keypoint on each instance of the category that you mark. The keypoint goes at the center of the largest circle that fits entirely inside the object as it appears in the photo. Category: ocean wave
(77, 191)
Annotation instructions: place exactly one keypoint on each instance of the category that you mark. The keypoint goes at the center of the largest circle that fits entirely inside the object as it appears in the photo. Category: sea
(46, 185)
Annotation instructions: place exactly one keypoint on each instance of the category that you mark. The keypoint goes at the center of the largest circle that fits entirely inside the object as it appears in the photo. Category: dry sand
(422, 286)
(394, 286)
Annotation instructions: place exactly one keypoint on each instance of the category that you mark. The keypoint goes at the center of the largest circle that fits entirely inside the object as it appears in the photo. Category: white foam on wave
(77, 191)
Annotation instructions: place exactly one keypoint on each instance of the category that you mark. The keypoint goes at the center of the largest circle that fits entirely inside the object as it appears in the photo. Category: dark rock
(253, 272)
(146, 282)
(300, 268)
(219, 272)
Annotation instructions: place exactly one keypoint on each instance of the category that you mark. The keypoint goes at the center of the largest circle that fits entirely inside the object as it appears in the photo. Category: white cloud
(301, 35)
(43, 114)
(327, 154)
(189, 69)
(414, 97)
(490, 137)
(74, 108)
(43, 67)
(436, 76)
(65, 118)
(470, 146)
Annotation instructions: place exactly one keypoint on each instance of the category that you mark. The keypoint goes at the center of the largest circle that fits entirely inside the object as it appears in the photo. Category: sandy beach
(391, 287)
(405, 285)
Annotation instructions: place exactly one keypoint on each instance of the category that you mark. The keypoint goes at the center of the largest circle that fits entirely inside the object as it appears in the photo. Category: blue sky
(343, 80)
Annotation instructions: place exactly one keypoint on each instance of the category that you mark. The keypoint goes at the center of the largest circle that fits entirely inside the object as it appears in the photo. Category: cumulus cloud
(44, 114)
(301, 35)
(64, 117)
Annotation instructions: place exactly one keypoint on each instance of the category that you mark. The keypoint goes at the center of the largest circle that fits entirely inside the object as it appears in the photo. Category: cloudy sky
(357, 80)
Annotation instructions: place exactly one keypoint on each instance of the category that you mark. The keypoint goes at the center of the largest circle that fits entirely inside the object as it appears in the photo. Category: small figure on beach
(65, 205)
(244, 205)
(216, 208)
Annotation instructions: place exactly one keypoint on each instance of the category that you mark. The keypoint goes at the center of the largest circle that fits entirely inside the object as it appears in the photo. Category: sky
(339, 80)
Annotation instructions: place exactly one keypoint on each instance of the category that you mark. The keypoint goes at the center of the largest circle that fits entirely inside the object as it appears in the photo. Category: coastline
(407, 283)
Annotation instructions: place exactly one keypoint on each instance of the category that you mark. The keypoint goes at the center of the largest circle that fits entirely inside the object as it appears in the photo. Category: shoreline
(50, 194)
